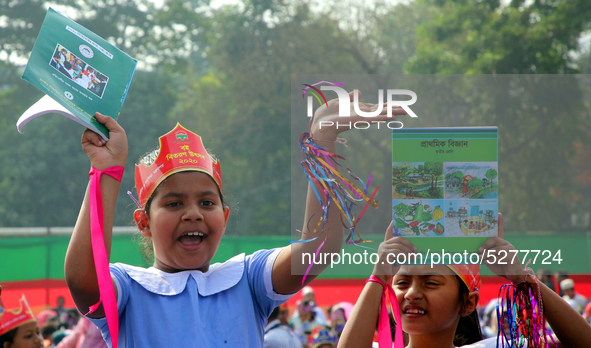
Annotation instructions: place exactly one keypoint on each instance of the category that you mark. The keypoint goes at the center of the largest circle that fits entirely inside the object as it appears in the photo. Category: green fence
(42, 257)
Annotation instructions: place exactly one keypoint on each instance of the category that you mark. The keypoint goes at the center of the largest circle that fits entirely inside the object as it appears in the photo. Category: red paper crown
(180, 150)
(470, 275)
(15, 318)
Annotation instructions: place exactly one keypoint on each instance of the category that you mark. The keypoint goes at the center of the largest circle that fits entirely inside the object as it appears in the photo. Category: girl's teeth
(415, 311)
(194, 234)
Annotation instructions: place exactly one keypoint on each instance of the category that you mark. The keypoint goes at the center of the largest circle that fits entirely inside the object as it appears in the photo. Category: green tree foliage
(487, 37)
(44, 171)
(226, 73)
(437, 171)
(167, 35)
(538, 128)
(244, 100)
(491, 174)
(431, 168)
(475, 184)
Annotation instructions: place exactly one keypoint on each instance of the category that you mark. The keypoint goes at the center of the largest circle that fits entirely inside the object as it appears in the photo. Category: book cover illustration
(471, 180)
(445, 185)
(415, 217)
(80, 70)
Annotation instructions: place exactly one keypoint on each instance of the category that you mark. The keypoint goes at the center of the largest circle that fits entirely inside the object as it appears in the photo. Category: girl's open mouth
(191, 238)
(413, 311)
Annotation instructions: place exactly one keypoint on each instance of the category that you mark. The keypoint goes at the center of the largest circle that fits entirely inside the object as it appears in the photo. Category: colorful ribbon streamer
(384, 331)
(320, 171)
(521, 313)
(323, 177)
(99, 251)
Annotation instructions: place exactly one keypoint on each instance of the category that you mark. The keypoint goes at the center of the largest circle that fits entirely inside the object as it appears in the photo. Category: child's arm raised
(79, 265)
(361, 325)
(570, 328)
(286, 280)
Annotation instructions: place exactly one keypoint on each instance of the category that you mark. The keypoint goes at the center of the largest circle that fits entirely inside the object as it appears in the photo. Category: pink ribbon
(384, 332)
(99, 251)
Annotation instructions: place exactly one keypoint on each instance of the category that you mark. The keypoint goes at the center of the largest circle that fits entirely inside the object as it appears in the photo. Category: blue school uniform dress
(227, 306)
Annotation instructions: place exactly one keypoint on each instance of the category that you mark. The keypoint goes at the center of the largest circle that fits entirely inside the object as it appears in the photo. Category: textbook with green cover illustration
(445, 186)
(79, 70)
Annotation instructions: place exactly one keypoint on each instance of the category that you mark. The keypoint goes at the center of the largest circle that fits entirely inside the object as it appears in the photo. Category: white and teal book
(80, 71)
(445, 187)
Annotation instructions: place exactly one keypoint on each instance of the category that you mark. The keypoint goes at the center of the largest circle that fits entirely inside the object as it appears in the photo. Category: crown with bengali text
(180, 150)
(11, 319)
(470, 275)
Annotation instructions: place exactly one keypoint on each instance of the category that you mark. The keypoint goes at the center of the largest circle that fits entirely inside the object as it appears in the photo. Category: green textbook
(80, 71)
(445, 187)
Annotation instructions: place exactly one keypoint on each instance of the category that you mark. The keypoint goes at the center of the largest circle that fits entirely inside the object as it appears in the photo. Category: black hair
(313, 304)
(468, 330)
(308, 330)
(47, 331)
(8, 337)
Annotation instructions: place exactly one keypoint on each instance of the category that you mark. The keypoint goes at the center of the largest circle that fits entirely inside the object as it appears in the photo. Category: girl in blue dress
(183, 300)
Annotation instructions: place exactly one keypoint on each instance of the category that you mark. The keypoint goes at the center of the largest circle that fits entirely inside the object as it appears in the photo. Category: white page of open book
(47, 105)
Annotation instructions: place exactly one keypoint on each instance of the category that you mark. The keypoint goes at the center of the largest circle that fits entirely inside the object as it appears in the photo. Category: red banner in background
(42, 294)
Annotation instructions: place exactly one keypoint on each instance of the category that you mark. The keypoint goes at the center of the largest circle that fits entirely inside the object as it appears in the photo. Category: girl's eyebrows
(422, 275)
(173, 194)
(209, 192)
(183, 194)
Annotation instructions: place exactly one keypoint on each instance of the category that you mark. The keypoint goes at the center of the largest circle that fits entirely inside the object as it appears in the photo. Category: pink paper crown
(180, 150)
(14, 318)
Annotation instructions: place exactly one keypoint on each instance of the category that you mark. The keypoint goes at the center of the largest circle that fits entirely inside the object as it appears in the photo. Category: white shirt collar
(219, 277)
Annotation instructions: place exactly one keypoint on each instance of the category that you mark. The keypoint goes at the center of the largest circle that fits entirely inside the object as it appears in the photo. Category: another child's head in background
(283, 315)
(324, 337)
(568, 287)
(60, 302)
(18, 328)
(544, 275)
(308, 294)
(306, 311)
(438, 299)
(182, 207)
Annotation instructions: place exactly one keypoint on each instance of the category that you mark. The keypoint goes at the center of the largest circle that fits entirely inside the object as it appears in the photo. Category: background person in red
(18, 327)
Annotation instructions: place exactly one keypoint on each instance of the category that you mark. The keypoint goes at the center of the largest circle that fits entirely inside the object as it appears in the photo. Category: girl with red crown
(183, 300)
(18, 327)
(436, 306)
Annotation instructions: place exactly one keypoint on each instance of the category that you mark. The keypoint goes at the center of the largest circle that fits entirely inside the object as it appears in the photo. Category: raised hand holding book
(445, 186)
(80, 72)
